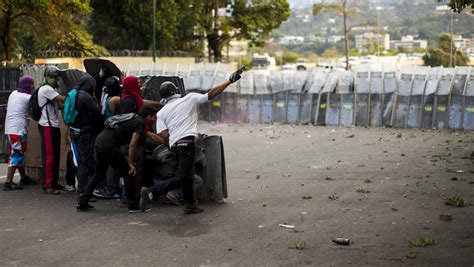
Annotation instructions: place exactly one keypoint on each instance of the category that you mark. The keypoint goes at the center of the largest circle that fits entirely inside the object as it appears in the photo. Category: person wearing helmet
(48, 126)
(177, 124)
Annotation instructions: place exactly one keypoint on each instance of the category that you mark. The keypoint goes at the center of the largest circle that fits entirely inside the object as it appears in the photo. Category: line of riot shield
(441, 112)
(279, 96)
(307, 97)
(216, 104)
(415, 107)
(468, 106)
(260, 112)
(390, 85)
(455, 107)
(320, 99)
(376, 97)
(361, 88)
(151, 84)
(403, 97)
(333, 100)
(346, 92)
(294, 96)
(429, 96)
(246, 90)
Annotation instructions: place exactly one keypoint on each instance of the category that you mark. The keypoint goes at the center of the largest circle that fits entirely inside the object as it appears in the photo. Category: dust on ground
(380, 188)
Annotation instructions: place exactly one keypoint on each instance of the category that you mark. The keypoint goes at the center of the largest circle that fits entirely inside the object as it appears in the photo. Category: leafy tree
(250, 20)
(341, 7)
(55, 25)
(440, 55)
(460, 5)
(330, 53)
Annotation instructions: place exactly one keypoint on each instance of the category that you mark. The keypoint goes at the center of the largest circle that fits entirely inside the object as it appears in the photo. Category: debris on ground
(299, 245)
(454, 201)
(328, 179)
(350, 136)
(287, 226)
(454, 179)
(333, 197)
(342, 241)
(422, 242)
(399, 135)
(411, 255)
(364, 191)
(307, 197)
(445, 217)
(257, 177)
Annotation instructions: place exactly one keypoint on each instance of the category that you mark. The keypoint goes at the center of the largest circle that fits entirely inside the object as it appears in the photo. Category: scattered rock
(445, 217)
(257, 177)
(367, 181)
(399, 135)
(350, 136)
(364, 191)
(298, 245)
(328, 179)
(454, 179)
(307, 197)
(411, 255)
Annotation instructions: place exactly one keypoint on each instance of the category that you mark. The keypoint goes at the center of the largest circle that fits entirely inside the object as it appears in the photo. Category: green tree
(342, 8)
(53, 25)
(330, 53)
(460, 5)
(250, 20)
(440, 55)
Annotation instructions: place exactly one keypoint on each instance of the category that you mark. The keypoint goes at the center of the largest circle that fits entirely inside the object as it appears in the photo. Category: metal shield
(415, 107)
(468, 118)
(441, 111)
(457, 96)
(428, 97)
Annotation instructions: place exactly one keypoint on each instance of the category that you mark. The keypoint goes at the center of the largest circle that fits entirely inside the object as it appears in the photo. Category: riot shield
(376, 97)
(306, 100)
(216, 104)
(346, 92)
(468, 106)
(361, 88)
(415, 110)
(441, 113)
(210, 166)
(333, 100)
(318, 113)
(260, 101)
(68, 79)
(428, 97)
(390, 86)
(193, 82)
(455, 107)
(403, 97)
(246, 89)
(279, 97)
(229, 109)
(294, 97)
(208, 73)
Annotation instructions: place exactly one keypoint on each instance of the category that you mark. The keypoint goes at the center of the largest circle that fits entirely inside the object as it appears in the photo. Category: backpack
(34, 110)
(70, 112)
(116, 120)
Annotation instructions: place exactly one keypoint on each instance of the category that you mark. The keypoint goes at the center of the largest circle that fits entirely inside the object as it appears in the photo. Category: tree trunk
(346, 35)
(7, 36)
(215, 45)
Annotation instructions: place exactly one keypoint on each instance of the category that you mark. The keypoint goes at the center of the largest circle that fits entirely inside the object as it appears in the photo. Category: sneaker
(93, 199)
(192, 209)
(27, 181)
(145, 198)
(164, 200)
(70, 188)
(174, 199)
(84, 207)
(101, 194)
(11, 186)
(51, 191)
(137, 210)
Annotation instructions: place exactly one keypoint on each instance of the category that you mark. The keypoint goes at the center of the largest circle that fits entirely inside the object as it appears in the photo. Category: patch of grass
(422, 242)
(419, 183)
(454, 201)
(299, 245)
(363, 191)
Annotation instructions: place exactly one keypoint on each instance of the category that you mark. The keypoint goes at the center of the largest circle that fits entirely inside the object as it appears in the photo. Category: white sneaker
(69, 188)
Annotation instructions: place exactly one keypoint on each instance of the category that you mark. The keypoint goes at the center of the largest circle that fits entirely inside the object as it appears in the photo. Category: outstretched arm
(221, 87)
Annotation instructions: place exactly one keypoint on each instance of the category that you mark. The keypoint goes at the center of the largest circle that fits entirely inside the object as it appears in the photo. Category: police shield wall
(429, 95)
(361, 88)
(442, 98)
(415, 102)
(456, 99)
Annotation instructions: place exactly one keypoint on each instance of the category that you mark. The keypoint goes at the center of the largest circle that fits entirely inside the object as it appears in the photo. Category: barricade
(415, 110)
(468, 104)
(442, 99)
(456, 99)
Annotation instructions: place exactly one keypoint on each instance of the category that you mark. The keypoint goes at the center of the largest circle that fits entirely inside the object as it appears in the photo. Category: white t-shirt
(180, 116)
(47, 92)
(16, 121)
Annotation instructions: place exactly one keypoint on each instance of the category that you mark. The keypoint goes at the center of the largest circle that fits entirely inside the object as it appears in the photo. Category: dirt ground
(378, 187)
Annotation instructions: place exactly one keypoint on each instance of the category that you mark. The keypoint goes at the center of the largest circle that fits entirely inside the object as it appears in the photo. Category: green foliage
(422, 242)
(460, 5)
(439, 56)
(454, 201)
(330, 53)
(290, 57)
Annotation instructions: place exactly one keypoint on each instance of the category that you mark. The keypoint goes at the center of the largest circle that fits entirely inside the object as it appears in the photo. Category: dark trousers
(114, 159)
(50, 152)
(86, 162)
(183, 152)
(71, 169)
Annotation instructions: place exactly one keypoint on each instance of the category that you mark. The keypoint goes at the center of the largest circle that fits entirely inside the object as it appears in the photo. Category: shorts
(17, 146)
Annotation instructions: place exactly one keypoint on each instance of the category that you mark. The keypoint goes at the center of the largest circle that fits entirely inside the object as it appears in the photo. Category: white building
(362, 41)
(289, 40)
(409, 43)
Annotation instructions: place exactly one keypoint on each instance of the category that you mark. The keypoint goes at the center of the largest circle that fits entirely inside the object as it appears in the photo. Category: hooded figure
(26, 84)
(131, 100)
(86, 83)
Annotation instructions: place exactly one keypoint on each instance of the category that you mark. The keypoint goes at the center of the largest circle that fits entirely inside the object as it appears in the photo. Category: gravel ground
(378, 187)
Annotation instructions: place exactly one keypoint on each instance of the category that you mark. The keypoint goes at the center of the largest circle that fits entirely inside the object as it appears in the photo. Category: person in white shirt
(16, 129)
(177, 123)
(48, 126)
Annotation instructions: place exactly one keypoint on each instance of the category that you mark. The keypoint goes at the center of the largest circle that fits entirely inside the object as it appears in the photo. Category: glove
(236, 75)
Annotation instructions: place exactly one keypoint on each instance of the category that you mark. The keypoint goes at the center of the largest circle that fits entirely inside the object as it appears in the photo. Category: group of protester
(108, 137)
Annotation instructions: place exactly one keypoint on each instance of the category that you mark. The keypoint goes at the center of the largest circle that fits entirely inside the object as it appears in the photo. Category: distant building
(463, 44)
(409, 43)
(334, 38)
(362, 41)
(289, 40)
(237, 48)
